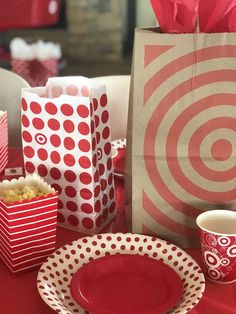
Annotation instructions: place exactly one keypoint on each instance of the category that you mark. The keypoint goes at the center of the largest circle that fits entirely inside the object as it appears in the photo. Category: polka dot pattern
(67, 110)
(58, 145)
(38, 123)
(72, 90)
(27, 136)
(119, 144)
(57, 271)
(51, 108)
(42, 154)
(55, 140)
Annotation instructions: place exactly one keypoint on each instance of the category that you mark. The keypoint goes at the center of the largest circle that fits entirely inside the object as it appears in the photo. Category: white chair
(118, 87)
(10, 101)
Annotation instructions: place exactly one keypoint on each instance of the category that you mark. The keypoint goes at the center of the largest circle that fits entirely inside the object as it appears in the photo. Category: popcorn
(20, 194)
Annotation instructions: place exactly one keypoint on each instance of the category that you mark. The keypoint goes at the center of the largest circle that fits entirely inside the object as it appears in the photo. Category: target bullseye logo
(231, 251)
(212, 260)
(99, 153)
(190, 136)
(40, 138)
(194, 156)
(211, 240)
(225, 262)
(224, 241)
(221, 150)
(214, 274)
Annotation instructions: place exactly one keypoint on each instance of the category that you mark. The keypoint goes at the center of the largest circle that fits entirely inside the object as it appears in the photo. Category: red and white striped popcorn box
(28, 227)
(66, 139)
(3, 140)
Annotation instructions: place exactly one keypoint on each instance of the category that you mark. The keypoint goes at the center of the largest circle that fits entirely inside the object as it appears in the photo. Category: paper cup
(218, 243)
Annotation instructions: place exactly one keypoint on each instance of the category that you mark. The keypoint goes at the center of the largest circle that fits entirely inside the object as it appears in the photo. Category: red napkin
(217, 16)
(176, 16)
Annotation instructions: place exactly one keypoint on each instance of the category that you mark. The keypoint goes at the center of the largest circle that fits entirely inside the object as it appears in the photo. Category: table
(19, 294)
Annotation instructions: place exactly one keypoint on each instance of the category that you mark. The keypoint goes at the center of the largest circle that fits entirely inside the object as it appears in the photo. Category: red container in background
(35, 72)
(28, 13)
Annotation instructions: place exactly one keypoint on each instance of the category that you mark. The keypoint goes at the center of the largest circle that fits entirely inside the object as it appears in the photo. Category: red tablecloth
(19, 294)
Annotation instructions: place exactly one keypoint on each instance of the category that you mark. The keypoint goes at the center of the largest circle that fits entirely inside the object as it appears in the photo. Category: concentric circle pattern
(189, 117)
(55, 274)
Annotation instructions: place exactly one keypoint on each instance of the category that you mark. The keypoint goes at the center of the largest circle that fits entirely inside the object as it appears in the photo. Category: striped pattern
(186, 97)
(28, 232)
(3, 141)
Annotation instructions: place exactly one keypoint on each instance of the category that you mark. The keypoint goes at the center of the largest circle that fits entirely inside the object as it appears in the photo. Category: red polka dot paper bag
(181, 153)
(3, 140)
(28, 221)
(66, 140)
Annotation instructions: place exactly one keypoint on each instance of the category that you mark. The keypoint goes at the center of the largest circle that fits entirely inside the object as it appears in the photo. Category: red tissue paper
(183, 16)
(176, 16)
(216, 16)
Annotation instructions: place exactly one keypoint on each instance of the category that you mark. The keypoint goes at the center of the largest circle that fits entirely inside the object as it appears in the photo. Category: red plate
(126, 284)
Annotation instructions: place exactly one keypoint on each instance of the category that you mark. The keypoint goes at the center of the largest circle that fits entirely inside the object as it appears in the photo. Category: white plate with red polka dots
(56, 273)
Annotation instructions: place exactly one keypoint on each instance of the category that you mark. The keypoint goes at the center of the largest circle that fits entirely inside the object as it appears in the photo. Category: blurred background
(96, 36)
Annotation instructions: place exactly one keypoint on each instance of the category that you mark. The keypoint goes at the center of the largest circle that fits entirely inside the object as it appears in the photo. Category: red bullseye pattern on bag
(28, 227)
(185, 151)
(66, 140)
(3, 140)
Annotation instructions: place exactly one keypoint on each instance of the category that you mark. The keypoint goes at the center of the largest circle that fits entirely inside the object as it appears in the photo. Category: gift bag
(35, 72)
(66, 140)
(181, 156)
(36, 62)
(3, 140)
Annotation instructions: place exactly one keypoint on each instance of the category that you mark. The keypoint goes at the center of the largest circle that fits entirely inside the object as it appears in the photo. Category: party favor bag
(3, 140)
(182, 131)
(35, 72)
(66, 140)
(35, 62)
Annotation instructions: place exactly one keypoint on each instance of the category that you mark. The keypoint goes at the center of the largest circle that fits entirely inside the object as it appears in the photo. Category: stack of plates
(120, 273)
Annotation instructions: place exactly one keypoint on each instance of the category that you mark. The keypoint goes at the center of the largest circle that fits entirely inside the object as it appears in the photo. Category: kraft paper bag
(67, 140)
(181, 157)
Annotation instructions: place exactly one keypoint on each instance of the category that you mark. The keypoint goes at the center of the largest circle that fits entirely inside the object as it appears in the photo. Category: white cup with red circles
(218, 244)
